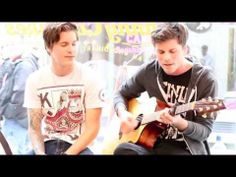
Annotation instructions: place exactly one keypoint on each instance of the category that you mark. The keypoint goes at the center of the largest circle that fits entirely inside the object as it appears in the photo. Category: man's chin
(169, 71)
(68, 63)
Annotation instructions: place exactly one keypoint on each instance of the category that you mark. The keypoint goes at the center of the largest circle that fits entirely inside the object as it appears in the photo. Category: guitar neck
(202, 107)
(173, 111)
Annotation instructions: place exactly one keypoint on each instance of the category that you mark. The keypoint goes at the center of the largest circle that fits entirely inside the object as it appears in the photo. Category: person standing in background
(15, 120)
(207, 60)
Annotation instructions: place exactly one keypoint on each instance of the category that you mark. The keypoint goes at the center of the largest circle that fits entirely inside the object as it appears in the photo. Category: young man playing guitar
(173, 79)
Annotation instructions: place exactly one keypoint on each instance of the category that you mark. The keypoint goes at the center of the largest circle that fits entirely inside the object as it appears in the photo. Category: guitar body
(112, 140)
(150, 134)
(146, 135)
(150, 130)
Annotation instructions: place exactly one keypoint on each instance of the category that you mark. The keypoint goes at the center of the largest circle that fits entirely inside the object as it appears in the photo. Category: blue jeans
(164, 148)
(16, 136)
(57, 147)
(131, 149)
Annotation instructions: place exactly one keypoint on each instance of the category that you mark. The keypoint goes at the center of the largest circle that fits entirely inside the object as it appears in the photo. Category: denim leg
(31, 152)
(131, 149)
(86, 151)
(55, 147)
(50, 147)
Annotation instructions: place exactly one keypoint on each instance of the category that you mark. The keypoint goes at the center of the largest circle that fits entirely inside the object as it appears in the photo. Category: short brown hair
(51, 33)
(167, 31)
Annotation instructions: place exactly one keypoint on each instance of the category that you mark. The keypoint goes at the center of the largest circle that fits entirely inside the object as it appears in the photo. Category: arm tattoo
(35, 116)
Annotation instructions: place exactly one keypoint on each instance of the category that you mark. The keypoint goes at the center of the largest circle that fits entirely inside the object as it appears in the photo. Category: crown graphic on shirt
(74, 93)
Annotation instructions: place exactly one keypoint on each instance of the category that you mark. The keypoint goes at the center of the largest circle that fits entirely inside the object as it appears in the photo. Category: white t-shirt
(64, 100)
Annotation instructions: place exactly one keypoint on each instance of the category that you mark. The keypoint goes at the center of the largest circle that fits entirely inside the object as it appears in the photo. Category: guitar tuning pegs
(210, 99)
(204, 115)
(200, 109)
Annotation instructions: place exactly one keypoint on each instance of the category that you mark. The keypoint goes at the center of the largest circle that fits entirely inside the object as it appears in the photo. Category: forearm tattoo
(35, 118)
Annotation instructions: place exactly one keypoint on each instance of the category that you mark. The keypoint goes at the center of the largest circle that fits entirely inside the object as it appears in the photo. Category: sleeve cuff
(188, 130)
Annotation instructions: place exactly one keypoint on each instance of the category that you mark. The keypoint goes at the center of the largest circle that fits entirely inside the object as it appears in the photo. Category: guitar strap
(5, 144)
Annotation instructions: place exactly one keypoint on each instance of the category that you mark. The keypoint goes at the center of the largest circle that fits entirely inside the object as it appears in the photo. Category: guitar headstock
(208, 105)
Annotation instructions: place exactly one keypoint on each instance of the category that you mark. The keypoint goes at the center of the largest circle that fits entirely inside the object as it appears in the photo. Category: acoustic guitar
(150, 129)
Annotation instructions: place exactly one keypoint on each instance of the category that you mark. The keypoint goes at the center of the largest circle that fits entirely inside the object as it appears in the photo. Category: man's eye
(63, 44)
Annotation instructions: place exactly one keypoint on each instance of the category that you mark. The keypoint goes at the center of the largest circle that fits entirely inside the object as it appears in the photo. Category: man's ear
(48, 50)
(185, 48)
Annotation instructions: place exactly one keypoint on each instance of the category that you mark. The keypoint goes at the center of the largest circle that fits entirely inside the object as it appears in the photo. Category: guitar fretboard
(183, 108)
(173, 111)
(201, 106)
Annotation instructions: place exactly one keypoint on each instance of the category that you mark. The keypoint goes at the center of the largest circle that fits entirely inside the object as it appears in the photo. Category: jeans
(57, 147)
(164, 148)
(16, 136)
(131, 149)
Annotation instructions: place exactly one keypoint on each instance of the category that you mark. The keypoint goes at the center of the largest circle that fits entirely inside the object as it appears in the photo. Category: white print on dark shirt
(176, 93)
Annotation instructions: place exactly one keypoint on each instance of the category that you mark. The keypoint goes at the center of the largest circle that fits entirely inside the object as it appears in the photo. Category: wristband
(139, 119)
